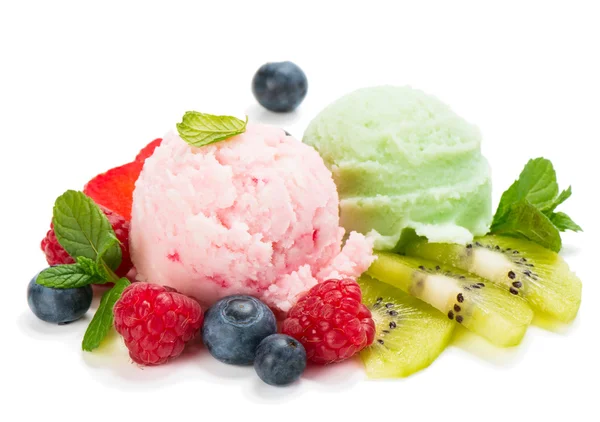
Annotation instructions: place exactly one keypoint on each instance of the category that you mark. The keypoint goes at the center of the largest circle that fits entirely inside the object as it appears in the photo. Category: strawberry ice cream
(255, 214)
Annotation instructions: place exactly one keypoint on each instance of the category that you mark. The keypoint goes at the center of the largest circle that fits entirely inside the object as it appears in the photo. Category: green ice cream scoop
(402, 159)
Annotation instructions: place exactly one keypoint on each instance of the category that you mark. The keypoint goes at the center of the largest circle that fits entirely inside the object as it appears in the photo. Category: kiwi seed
(459, 319)
(451, 315)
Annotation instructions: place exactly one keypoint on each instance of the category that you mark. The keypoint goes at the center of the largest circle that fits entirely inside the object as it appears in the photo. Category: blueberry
(59, 306)
(279, 86)
(280, 359)
(234, 327)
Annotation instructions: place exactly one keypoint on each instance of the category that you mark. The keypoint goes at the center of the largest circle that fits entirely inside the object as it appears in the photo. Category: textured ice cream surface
(256, 214)
(401, 160)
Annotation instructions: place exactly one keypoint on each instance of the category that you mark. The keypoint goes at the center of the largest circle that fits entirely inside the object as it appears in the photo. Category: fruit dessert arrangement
(373, 236)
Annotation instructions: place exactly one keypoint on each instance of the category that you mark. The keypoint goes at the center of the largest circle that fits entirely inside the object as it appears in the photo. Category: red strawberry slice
(148, 150)
(114, 189)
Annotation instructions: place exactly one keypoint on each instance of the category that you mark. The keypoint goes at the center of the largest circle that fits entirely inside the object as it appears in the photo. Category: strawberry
(114, 188)
(148, 150)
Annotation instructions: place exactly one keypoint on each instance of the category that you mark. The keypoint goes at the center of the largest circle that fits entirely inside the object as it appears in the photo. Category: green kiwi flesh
(410, 334)
(523, 268)
(482, 307)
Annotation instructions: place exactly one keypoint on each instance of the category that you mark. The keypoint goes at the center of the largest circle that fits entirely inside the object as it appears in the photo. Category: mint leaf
(99, 269)
(199, 129)
(564, 195)
(524, 220)
(84, 272)
(536, 183)
(526, 209)
(88, 266)
(102, 322)
(106, 271)
(68, 277)
(107, 248)
(83, 230)
(563, 222)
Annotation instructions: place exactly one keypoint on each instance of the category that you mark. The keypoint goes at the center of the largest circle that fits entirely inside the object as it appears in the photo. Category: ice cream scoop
(401, 160)
(256, 214)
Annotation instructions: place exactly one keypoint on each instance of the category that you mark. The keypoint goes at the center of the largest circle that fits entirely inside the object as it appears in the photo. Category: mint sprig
(526, 209)
(83, 230)
(103, 318)
(563, 222)
(84, 272)
(524, 220)
(200, 129)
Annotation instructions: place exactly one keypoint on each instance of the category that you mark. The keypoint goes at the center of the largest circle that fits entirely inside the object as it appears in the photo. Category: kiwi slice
(523, 268)
(484, 308)
(410, 334)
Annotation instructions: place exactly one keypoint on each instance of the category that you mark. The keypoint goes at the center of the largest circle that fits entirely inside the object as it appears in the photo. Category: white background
(85, 85)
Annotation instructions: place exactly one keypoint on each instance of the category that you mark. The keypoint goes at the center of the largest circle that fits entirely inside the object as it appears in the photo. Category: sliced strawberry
(148, 150)
(114, 189)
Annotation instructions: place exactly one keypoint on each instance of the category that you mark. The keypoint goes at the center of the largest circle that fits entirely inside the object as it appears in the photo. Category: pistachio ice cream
(402, 159)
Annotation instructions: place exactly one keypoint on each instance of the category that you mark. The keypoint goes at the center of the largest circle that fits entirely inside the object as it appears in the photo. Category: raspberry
(331, 322)
(156, 322)
(56, 254)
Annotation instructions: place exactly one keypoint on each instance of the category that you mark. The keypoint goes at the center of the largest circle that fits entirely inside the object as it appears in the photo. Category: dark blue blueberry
(279, 86)
(59, 306)
(280, 360)
(234, 327)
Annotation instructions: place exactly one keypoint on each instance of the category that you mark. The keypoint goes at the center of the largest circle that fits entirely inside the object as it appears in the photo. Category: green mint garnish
(103, 318)
(563, 222)
(86, 234)
(89, 266)
(200, 129)
(84, 272)
(526, 209)
(84, 231)
(522, 219)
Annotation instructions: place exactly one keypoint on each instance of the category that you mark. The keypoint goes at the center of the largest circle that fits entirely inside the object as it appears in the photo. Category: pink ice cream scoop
(256, 214)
